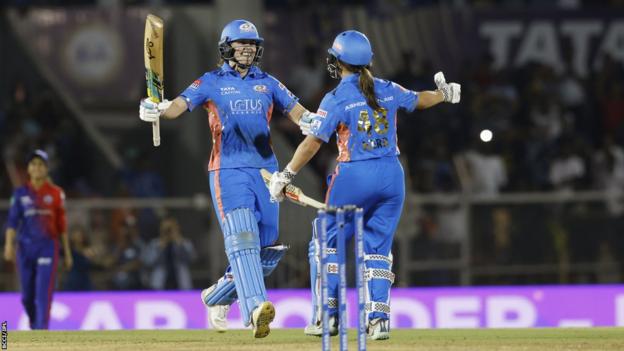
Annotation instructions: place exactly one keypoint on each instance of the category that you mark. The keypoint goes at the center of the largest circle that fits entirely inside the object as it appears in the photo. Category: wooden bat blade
(153, 57)
(293, 193)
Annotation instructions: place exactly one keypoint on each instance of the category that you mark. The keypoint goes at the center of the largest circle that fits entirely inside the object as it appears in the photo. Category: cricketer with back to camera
(361, 110)
(239, 98)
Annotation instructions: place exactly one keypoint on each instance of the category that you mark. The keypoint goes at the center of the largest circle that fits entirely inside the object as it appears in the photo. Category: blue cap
(40, 154)
(352, 47)
(239, 29)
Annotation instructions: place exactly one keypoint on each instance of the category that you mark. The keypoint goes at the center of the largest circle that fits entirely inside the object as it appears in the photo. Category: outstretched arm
(304, 153)
(446, 92)
(302, 117)
(296, 113)
(429, 98)
(178, 106)
(150, 111)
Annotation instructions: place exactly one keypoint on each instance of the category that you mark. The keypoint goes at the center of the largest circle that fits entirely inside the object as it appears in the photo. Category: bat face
(153, 55)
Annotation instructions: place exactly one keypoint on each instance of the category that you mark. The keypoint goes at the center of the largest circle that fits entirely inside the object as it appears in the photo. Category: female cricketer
(361, 110)
(37, 217)
(239, 98)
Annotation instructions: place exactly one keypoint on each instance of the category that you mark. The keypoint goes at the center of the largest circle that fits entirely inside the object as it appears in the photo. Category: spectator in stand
(126, 260)
(168, 257)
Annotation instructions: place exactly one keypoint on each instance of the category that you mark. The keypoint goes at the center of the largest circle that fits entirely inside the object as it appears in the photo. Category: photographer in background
(168, 257)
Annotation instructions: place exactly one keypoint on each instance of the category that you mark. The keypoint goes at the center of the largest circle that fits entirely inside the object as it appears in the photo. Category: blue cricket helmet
(239, 29)
(352, 47)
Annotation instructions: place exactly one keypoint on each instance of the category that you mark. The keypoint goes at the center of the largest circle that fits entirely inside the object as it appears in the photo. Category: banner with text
(500, 307)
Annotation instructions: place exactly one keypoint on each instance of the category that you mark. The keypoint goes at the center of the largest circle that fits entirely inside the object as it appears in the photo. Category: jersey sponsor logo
(354, 105)
(321, 113)
(245, 106)
(44, 261)
(195, 84)
(26, 200)
(386, 99)
(228, 90)
(48, 199)
(261, 88)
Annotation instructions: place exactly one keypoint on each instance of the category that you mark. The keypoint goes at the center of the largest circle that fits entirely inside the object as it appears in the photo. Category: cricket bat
(293, 193)
(153, 54)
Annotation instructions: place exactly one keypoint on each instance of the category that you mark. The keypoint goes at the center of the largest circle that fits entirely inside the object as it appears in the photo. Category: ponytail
(367, 86)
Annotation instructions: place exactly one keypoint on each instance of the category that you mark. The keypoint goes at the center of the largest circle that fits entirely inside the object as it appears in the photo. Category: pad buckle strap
(332, 302)
(383, 258)
(378, 273)
(377, 307)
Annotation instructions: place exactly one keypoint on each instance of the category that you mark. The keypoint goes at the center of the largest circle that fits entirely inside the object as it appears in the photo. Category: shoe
(379, 329)
(315, 329)
(217, 313)
(261, 317)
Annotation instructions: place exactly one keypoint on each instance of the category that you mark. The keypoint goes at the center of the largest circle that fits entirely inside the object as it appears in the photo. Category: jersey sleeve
(197, 93)
(15, 212)
(406, 99)
(283, 97)
(326, 120)
(61, 218)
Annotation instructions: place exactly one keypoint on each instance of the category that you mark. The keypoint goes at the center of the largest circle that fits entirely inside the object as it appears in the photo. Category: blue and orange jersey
(38, 213)
(362, 133)
(239, 112)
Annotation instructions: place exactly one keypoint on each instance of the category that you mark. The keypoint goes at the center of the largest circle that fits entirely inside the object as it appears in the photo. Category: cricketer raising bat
(153, 54)
(293, 193)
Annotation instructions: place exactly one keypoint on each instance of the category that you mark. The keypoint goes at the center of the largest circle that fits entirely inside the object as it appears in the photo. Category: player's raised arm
(150, 111)
(302, 117)
(446, 92)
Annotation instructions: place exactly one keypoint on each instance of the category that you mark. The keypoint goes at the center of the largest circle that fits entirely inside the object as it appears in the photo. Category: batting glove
(150, 111)
(451, 91)
(305, 123)
(279, 180)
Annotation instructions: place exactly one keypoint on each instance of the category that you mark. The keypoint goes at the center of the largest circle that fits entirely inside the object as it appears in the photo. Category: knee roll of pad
(242, 246)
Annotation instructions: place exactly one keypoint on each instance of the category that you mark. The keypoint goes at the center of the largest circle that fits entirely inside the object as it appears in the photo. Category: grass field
(602, 339)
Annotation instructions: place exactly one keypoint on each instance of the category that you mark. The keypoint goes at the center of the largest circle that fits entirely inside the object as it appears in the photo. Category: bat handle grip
(156, 132)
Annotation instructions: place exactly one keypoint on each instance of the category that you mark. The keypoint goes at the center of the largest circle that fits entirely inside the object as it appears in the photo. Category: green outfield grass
(602, 339)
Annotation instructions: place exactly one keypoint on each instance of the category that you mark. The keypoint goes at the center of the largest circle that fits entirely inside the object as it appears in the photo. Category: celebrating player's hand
(305, 123)
(451, 91)
(279, 180)
(150, 111)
